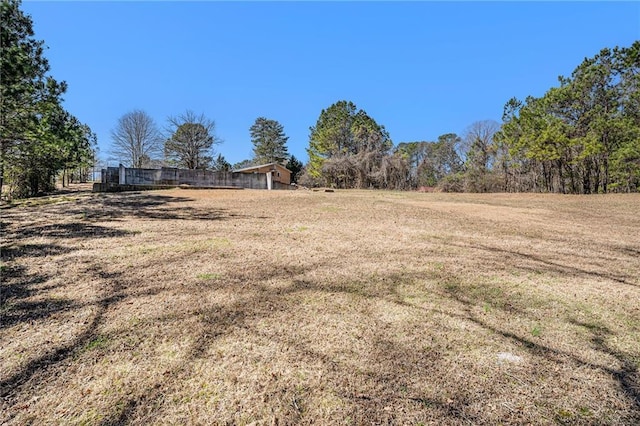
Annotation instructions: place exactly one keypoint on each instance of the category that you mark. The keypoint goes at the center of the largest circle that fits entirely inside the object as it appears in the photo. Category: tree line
(349, 149)
(39, 140)
(582, 136)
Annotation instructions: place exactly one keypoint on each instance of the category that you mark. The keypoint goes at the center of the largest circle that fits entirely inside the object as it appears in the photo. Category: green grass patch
(210, 243)
(298, 229)
(148, 249)
(330, 209)
(209, 276)
(99, 342)
(536, 331)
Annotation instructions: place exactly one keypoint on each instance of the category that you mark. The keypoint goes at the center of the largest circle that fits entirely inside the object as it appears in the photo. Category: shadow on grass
(117, 206)
(42, 367)
(38, 367)
(19, 284)
(29, 311)
(71, 221)
(11, 252)
(631, 251)
(383, 393)
(145, 206)
(539, 264)
(73, 230)
(626, 375)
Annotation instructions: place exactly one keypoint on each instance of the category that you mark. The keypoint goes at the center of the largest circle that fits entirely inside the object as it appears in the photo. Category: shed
(279, 173)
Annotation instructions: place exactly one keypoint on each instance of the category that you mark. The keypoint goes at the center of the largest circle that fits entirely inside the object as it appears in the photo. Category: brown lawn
(301, 307)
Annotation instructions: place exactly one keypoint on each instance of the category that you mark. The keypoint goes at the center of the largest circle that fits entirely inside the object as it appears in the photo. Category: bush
(452, 183)
(305, 179)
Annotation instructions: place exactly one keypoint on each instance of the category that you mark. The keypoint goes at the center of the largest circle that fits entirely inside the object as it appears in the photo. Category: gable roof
(246, 169)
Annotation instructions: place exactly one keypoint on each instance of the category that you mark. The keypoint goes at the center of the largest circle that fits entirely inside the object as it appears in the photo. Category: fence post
(269, 181)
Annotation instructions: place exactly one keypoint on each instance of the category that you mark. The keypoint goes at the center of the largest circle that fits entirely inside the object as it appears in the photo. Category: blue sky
(421, 69)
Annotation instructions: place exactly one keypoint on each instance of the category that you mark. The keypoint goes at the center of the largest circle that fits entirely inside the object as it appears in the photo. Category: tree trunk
(561, 176)
(605, 180)
(586, 177)
(2, 155)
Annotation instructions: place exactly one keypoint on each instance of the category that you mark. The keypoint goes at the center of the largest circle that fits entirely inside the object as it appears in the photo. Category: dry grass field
(301, 307)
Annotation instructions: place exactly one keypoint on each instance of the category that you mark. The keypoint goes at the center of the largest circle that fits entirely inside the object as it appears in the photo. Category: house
(278, 172)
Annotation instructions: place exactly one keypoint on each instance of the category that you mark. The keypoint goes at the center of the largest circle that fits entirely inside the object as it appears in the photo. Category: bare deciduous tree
(480, 154)
(136, 139)
(192, 140)
(478, 141)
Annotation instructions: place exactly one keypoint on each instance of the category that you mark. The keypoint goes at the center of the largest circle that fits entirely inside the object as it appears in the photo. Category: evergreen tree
(243, 164)
(269, 141)
(346, 147)
(38, 138)
(580, 137)
(295, 166)
(220, 164)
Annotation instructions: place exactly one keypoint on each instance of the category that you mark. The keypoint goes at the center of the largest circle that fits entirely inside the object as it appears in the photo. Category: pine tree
(269, 141)
(295, 166)
(38, 138)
